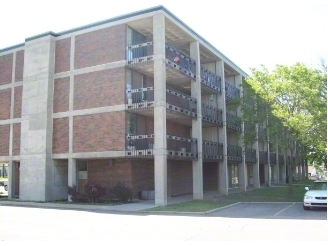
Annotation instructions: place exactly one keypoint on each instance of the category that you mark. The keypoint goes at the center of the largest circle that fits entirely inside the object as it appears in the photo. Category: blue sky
(248, 32)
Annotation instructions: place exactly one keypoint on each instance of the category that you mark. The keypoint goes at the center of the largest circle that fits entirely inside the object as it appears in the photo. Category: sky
(248, 32)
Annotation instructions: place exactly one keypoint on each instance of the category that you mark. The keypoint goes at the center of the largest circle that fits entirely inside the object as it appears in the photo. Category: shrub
(73, 193)
(122, 192)
(94, 191)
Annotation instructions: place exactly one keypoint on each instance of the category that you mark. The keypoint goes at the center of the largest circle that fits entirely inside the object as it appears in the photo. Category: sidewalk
(130, 207)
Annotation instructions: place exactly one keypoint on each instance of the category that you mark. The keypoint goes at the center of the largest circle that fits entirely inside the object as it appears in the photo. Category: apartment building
(140, 98)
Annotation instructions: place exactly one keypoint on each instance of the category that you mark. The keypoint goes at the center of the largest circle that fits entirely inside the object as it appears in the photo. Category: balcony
(273, 158)
(263, 157)
(231, 91)
(140, 57)
(234, 153)
(281, 159)
(233, 122)
(211, 115)
(141, 98)
(212, 150)
(139, 146)
(250, 155)
(181, 103)
(180, 147)
(210, 80)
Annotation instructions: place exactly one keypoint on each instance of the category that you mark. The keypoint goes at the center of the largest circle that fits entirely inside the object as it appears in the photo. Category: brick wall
(100, 47)
(61, 95)
(101, 173)
(6, 68)
(16, 138)
(142, 176)
(99, 89)
(176, 129)
(99, 132)
(18, 102)
(5, 97)
(210, 174)
(4, 140)
(19, 66)
(179, 178)
(62, 55)
(60, 140)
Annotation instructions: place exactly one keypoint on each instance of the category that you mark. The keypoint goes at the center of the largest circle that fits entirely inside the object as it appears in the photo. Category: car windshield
(319, 186)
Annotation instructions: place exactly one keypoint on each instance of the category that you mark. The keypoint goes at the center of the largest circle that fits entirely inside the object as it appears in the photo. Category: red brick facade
(210, 174)
(100, 47)
(16, 138)
(143, 176)
(99, 89)
(99, 132)
(60, 134)
(4, 140)
(6, 68)
(62, 55)
(19, 66)
(18, 101)
(61, 95)
(5, 101)
(179, 178)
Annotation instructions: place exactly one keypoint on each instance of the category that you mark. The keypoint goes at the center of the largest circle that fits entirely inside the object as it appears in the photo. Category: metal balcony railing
(273, 158)
(212, 150)
(139, 53)
(140, 98)
(178, 147)
(234, 153)
(250, 155)
(139, 145)
(180, 61)
(210, 79)
(263, 157)
(211, 114)
(180, 102)
(281, 159)
(232, 91)
(233, 122)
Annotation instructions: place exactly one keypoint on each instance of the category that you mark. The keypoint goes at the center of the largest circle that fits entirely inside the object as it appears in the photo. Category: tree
(297, 97)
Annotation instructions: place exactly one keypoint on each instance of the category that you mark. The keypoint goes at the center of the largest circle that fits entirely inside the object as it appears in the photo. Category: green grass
(266, 194)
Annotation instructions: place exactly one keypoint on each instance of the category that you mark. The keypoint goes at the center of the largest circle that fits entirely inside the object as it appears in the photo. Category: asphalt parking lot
(272, 211)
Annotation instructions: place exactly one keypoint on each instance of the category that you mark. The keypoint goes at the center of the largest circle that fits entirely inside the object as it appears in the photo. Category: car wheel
(6, 188)
(306, 208)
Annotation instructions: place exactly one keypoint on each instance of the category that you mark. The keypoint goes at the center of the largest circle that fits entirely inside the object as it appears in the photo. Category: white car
(316, 195)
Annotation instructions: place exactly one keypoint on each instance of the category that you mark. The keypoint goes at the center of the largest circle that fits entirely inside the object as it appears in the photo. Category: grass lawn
(266, 194)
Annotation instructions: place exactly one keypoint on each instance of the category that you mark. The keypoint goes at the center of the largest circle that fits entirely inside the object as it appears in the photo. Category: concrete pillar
(72, 172)
(241, 165)
(160, 156)
(256, 166)
(197, 165)
(276, 167)
(36, 168)
(223, 165)
(267, 166)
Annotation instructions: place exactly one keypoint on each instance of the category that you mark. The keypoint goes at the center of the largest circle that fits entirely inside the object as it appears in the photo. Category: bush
(94, 192)
(73, 193)
(122, 192)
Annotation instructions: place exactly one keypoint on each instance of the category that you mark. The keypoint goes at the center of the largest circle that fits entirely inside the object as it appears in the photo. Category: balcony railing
(212, 150)
(250, 155)
(140, 98)
(211, 114)
(210, 79)
(180, 102)
(273, 158)
(233, 122)
(234, 153)
(263, 156)
(281, 159)
(178, 147)
(139, 53)
(139, 145)
(232, 92)
(180, 61)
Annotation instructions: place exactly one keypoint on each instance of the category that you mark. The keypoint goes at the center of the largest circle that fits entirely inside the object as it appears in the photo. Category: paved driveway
(272, 211)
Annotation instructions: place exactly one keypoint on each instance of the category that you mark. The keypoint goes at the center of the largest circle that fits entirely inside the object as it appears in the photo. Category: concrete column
(160, 155)
(276, 166)
(223, 165)
(197, 165)
(267, 167)
(36, 168)
(11, 179)
(256, 166)
(72, 172)
(241, 165)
